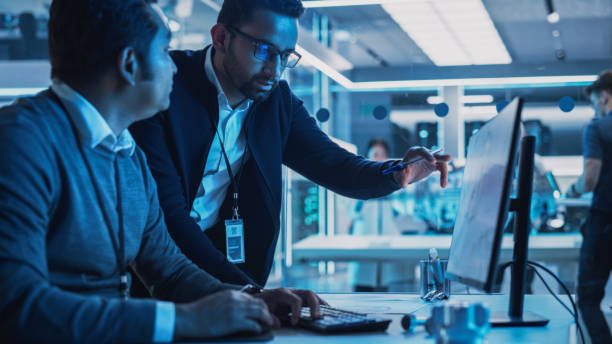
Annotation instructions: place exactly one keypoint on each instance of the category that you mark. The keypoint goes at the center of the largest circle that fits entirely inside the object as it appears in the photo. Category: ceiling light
(324, 67)
(20, 91)
(343, 3)
(485, 98)
(451, 33)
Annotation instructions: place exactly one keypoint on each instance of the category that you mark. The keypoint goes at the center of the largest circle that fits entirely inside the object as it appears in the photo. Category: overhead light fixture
(344, 3)
(430, 85)
(324, 67)
(20, 91)
(485, 98)
(552, 16)
(476, 83)
(451, 33)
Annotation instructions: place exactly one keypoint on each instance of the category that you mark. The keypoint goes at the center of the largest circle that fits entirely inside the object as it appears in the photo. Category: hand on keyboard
(285, 303)
(335, 320)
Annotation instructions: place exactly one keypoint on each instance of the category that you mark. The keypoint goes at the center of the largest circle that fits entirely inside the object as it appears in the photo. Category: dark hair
(236, 12)
(603, 83)
(379, 142)
(85, 36)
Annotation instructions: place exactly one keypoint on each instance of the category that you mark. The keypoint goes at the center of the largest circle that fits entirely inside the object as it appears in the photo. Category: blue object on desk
(401, 165)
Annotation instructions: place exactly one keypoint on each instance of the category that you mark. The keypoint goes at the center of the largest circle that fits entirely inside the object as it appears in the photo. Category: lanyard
(118, 248)
(234, 180)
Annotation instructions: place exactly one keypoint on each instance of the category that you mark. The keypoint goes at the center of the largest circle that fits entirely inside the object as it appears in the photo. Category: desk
(557, 331)
(407, 248)
(561, 249)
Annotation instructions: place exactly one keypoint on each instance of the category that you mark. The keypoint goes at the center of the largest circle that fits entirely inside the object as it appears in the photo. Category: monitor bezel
(487, 285)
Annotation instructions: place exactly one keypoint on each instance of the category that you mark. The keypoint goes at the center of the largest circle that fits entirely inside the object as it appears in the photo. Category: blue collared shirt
(94, 131)
(216, 180)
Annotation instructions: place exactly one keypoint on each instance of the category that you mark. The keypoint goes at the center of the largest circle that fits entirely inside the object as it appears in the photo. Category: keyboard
(335, 320)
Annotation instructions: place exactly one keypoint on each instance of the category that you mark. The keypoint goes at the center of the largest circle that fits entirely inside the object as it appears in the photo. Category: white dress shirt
(95, 132)
(216, 180)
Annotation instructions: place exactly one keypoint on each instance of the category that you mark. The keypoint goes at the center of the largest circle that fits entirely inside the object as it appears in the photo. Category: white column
(451, 129)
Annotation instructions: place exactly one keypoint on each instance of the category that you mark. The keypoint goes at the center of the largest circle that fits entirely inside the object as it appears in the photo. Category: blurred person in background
(596, 253)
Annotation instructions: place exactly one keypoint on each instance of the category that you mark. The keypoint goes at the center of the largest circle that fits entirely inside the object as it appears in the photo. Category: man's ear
(127, 65)
(220, 38)
(607, 99)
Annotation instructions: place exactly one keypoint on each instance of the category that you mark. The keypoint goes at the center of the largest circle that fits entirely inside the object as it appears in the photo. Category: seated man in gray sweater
(78, 204)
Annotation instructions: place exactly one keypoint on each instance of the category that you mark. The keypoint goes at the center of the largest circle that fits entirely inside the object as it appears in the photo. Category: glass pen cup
(427, 283)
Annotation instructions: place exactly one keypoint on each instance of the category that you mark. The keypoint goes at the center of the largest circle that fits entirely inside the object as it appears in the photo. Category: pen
(401, 165)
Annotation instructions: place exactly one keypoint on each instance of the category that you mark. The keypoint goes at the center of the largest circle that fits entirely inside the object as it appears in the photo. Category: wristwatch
(251, 289)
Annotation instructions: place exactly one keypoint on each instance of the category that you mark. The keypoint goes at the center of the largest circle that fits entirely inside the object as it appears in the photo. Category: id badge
(234, 240)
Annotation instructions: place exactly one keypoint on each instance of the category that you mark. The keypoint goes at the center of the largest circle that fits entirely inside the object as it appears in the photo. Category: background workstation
(381, 70)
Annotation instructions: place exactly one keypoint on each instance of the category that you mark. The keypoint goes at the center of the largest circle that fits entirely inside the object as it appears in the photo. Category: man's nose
(273, 68)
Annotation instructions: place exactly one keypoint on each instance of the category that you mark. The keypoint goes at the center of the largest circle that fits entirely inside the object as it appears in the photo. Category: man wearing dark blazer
(229, 109)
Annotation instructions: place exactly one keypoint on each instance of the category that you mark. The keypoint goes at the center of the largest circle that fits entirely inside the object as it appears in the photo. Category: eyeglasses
(268, 52)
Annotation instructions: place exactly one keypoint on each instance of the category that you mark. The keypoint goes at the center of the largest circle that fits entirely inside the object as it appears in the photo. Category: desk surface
(384, 305)
(557, 247)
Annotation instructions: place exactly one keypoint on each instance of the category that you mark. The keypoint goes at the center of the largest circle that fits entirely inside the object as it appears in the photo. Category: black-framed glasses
(267, 52)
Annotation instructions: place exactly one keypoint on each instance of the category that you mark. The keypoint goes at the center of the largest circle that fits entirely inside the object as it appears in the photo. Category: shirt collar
(212, 77)
(92, 128)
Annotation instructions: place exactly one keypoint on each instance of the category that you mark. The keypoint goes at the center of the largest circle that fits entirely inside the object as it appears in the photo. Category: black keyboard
(335, 320)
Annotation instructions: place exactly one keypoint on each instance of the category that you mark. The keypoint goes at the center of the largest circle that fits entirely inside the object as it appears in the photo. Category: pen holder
(428, 282)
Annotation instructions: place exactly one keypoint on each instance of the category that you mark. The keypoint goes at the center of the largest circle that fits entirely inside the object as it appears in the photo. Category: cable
(531, 263)
(551, 291)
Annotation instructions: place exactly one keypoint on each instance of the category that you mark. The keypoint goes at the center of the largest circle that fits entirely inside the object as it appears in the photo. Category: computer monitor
(484, 205)
(484, 200)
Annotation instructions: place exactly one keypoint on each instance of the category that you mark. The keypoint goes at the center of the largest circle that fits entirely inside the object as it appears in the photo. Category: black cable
(531, 263)
(551, 291)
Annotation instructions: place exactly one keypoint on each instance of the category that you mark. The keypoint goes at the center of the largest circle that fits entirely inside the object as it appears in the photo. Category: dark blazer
(279, 131)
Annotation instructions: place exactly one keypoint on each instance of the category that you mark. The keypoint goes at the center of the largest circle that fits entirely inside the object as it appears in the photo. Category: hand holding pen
(419, 163)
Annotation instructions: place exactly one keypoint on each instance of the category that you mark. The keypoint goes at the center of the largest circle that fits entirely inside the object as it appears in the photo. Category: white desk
(412, 248)
(558, 331)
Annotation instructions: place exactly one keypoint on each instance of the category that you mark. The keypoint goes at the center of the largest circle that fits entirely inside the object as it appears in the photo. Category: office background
(413, 72)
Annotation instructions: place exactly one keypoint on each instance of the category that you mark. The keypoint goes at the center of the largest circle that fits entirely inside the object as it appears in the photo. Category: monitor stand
(522, 207)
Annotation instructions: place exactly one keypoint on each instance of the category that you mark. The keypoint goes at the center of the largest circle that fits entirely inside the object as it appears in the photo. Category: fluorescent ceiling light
(324, 67)
(21, 91)
(401, 85)
(485, 98)
(451, 32)
(343, 3)
(560, 80)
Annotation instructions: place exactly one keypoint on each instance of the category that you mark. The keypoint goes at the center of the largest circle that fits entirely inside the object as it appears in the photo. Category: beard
(248, 87)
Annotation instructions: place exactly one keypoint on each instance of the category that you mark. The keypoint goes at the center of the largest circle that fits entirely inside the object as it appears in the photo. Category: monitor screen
(484, 199)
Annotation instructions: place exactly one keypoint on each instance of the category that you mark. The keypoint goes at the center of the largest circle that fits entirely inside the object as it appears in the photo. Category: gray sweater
(58, 270)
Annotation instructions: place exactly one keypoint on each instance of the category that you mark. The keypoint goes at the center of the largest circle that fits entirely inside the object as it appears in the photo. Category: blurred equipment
(434, 286)
(453, 323)
(459, 323)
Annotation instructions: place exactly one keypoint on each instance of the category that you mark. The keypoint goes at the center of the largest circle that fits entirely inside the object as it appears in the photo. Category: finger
(419, 152)
(444, 157)
(321, 301)
(259, 311)
(295, 304)
(310, 300)
(277, 323)
(443, 168)
(247, 325)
